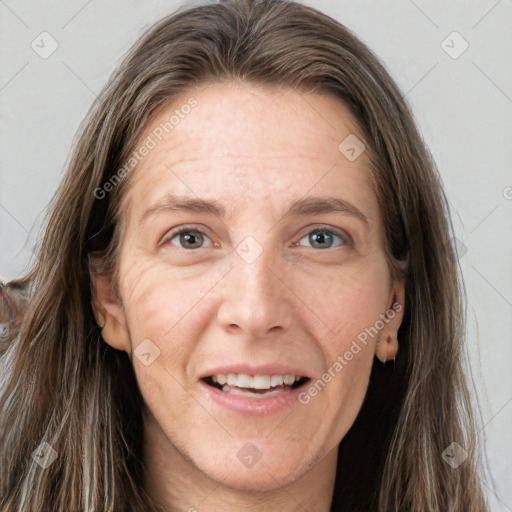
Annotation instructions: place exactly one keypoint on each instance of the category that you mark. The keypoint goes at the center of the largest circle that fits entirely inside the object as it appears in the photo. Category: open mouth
(256, 386)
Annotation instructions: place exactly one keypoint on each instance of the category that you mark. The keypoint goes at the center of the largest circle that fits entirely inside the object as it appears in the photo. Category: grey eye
(323, 238)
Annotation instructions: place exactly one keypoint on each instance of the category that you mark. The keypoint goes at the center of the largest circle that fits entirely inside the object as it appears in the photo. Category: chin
(262, 479)
(268, 473)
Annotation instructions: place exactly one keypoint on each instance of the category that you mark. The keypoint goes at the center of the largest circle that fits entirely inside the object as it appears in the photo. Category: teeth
(243, 392)
(276, 380)
(243, 380)
(261, 382)
(289, 380)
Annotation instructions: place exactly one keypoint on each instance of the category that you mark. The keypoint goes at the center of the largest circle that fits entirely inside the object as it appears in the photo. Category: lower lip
(253, 406)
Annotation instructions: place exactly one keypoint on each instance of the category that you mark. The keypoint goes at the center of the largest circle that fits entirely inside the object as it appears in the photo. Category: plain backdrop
(452, 60)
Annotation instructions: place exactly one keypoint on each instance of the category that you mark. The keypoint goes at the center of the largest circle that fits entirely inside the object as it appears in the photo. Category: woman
(184, 348)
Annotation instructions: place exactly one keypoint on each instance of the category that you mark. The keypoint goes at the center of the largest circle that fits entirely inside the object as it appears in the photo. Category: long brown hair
(66, 387)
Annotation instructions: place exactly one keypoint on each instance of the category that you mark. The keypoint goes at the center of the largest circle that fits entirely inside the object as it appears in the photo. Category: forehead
(241, 144)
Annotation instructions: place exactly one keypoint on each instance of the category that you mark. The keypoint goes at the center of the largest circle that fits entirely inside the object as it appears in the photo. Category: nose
(256, 298)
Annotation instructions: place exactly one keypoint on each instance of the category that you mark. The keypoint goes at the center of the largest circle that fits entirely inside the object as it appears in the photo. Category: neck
(176, 484)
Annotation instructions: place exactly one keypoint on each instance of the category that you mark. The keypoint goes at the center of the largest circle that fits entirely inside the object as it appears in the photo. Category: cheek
(344, 300)
(166, 306)
(349, 303)
(163, 319)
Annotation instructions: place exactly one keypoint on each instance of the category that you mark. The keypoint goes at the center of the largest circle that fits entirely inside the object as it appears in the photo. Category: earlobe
(387, 347)
(115, 334)
(108, 312)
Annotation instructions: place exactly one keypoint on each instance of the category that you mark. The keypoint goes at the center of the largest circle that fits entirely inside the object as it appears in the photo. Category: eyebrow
(306, 206)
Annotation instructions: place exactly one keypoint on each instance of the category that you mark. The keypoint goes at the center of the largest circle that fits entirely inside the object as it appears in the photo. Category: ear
(107, 308)
(387, 346)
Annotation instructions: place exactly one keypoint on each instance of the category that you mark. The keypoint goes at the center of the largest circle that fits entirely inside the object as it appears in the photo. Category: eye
(188, 238)
(324, 238)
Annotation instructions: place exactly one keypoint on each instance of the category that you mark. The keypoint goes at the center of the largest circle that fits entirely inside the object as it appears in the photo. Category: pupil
(319, 237)
(189, 238)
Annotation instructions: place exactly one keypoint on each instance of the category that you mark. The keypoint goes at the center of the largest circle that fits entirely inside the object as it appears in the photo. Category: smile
(255, 386)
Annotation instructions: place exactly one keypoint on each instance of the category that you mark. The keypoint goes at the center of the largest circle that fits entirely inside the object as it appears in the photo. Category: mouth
(255, 386)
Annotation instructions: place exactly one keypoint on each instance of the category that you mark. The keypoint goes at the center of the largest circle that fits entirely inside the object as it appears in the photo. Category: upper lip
(260, 369)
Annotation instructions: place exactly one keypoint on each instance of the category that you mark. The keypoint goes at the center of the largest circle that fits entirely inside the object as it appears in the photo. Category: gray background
(463, 106)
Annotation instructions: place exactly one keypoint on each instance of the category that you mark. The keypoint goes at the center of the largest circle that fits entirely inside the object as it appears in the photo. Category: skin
(254, 150)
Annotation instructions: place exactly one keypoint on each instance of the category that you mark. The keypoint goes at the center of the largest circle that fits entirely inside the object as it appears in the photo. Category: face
(252, 260)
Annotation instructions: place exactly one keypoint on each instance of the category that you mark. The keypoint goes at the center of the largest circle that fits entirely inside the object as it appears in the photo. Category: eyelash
(346, 240)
